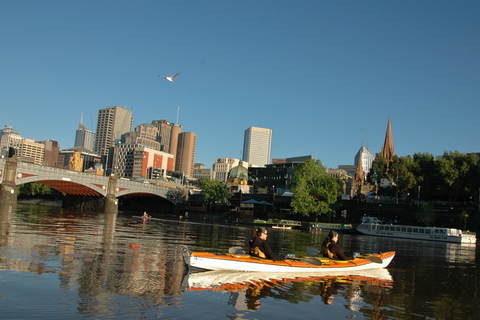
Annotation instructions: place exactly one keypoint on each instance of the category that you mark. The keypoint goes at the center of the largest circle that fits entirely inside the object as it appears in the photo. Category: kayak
(238, 281)
(244, 262)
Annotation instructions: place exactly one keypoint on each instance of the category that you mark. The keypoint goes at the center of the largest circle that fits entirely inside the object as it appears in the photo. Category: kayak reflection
(248, 288)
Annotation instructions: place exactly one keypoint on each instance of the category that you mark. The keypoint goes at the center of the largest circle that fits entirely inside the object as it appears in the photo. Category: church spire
(387, 150)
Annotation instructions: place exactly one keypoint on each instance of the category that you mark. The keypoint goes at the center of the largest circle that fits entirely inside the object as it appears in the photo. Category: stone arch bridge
(14, 173)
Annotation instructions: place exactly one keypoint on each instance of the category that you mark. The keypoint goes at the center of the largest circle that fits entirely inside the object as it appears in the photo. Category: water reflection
(107, 266)
(247, 289)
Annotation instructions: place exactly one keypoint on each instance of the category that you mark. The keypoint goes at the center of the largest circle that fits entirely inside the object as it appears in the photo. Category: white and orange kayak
(244, 262)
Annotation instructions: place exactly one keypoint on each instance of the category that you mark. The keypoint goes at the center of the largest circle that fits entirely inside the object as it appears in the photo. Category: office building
(84, 138)
(168, 132)
(89, 160)
(367, 159)
(185, 156)
(222, 167)
(28, 150)
(145, 134)
(112, 122)
(50, 156)
(200, 172)
(137, 161)
(7, 136)
(256, 146)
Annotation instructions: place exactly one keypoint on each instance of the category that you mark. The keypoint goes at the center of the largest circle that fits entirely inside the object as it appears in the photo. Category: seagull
(171, 77)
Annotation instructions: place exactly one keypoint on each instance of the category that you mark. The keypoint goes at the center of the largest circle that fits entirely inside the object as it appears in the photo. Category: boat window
(415, 230)
(382, 227)
(427, 231)
(421, 231)
(397, 228)
(409, 229)
(404, 229)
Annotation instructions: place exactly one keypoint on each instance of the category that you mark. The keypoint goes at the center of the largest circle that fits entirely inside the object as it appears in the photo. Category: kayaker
(254, 236)
(259, 247)
(331, 249)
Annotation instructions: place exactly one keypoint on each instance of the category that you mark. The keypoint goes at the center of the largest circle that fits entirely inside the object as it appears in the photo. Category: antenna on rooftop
(178, 111)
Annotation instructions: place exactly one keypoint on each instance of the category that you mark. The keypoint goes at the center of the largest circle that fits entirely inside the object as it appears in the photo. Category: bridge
(14, 173)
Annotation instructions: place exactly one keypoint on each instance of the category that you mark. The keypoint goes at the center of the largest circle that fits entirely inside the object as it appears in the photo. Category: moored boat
(282, 227)
(278, 222)
(244, 262)
(338, 227)
(373, 226)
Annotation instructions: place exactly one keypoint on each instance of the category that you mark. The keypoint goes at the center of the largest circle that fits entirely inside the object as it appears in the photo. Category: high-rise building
(256, 146)
(29, 151)
(50, 157)
(84, 138)
(167, 131)
(145, 134)
(367, 159)
(199, 172)
(136, 161)
(8, 138)
(222, 167)
(185, 155)
(112, 122)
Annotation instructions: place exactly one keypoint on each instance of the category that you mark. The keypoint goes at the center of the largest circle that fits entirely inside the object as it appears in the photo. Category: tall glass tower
(256, 146)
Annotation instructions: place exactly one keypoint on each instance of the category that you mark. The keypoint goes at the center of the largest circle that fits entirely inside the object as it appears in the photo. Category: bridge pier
(8, 188)
(111, 201)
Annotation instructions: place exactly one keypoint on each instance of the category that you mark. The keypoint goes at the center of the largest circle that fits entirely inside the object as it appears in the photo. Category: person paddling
(331, 249)
(259, 247)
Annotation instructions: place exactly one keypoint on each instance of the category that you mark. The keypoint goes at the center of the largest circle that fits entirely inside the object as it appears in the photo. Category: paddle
(313, 252)
(236, 250)
(314, 261)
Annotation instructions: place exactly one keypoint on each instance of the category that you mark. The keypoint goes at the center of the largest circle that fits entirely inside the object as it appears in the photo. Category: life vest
(326, 251)
(255, 251)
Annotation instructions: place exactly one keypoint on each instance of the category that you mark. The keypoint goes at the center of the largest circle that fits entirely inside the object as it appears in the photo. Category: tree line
(454, 177)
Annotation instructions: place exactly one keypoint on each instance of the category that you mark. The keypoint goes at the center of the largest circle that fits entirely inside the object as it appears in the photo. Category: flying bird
(171, 77)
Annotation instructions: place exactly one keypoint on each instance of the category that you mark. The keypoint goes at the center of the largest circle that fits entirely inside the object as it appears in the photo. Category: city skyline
(322, 75)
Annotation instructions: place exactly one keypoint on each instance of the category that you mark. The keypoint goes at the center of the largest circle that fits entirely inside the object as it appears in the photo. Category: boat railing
(416, 230)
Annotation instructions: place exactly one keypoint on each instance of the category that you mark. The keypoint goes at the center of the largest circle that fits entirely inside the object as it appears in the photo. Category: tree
(35, 189)
(427, 214)
(214, 191)
(458, 175)
(315, 191)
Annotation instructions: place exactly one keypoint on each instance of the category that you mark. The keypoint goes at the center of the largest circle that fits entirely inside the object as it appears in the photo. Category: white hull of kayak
(216, 262)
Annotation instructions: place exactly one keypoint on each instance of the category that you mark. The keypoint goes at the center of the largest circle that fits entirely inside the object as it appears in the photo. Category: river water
(64, 264)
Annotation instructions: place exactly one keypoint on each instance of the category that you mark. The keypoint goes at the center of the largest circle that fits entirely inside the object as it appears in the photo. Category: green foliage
(315, 191)
(426, 214)
(214, 191)
(454, 177)
(37, 190)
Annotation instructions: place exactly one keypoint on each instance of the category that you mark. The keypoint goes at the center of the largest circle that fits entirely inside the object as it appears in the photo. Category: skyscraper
(168, 131)
(256, 146)
(185, 156)
(366, 158)
(84, 138)
(112, 122)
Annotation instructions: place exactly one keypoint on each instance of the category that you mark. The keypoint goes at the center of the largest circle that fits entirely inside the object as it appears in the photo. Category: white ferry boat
(374, 227)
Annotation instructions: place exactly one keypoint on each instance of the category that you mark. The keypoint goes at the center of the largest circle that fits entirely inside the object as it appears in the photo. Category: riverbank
(42, 202)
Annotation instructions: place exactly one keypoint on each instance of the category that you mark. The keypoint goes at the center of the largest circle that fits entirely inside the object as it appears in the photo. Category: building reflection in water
(6, 213)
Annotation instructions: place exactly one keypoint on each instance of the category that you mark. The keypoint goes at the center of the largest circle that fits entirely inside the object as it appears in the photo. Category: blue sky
(323, 75)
